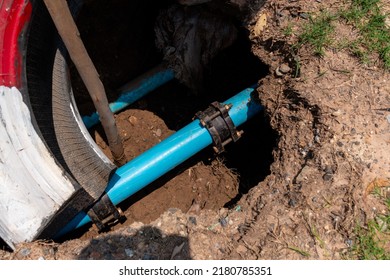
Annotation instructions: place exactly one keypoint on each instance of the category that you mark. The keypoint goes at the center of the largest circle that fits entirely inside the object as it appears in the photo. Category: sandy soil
(331, 128)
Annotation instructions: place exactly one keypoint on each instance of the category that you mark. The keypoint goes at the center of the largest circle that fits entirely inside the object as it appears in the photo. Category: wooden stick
(70, 35)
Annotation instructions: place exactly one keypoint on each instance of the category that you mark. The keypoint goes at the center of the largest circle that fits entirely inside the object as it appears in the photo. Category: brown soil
(332, 123)
(210, 185)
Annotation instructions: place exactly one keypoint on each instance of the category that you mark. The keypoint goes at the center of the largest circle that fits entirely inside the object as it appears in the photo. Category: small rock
(284, 68)
(304, 174)
(48, 251)
(388, 118)
(278, 72)
(336, 113)
(133, 120)
(194, 209)
(223, 222)
(158, 132)
(304, 15)
(129, 252)
(41, 258)
(25, 252)
(381, 224)
(192, 220)
(327, 177)
(292, 202)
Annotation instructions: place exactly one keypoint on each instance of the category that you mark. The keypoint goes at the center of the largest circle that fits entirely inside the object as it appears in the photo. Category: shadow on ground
(146, 243)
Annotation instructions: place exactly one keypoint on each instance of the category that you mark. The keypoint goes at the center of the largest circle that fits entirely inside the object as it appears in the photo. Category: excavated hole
(122, 47)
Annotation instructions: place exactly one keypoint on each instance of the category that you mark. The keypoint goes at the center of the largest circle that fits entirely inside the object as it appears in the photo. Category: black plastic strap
(104, 213)
(217, 121)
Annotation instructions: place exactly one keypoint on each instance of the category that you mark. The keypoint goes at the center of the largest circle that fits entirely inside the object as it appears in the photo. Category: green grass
(359, 9)
(370, 241)
(368, 246)
(288, 30)
(299, 251)
(365, 16)
(317, 33)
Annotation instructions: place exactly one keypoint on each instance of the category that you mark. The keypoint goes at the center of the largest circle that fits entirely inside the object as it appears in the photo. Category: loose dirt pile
(333, 127)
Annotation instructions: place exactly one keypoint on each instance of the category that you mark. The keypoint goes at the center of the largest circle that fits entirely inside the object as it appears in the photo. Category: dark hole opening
(4, 246)
(122, 47)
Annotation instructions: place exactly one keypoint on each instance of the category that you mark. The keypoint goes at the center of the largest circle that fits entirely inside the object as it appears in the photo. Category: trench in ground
(119, 36)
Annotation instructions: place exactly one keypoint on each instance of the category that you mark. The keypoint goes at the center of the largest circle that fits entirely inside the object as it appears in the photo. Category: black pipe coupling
(104, 213)
(217, 121)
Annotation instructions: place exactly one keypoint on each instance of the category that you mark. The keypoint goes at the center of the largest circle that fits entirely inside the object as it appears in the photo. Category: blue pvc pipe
(139, 88)
(166, 155)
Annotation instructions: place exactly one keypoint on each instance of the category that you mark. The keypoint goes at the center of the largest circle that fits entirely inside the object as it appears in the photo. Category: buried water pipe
(163, 157)
(134, 91)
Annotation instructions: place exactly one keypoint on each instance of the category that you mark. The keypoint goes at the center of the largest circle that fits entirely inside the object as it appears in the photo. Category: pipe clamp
(217, 121)
(104, 213)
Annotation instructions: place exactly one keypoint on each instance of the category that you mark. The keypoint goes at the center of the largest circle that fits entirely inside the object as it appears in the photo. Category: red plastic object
(14, 16)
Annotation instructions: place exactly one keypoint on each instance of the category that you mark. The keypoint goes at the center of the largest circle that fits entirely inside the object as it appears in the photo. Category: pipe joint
(217, 121)
(104, 213)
